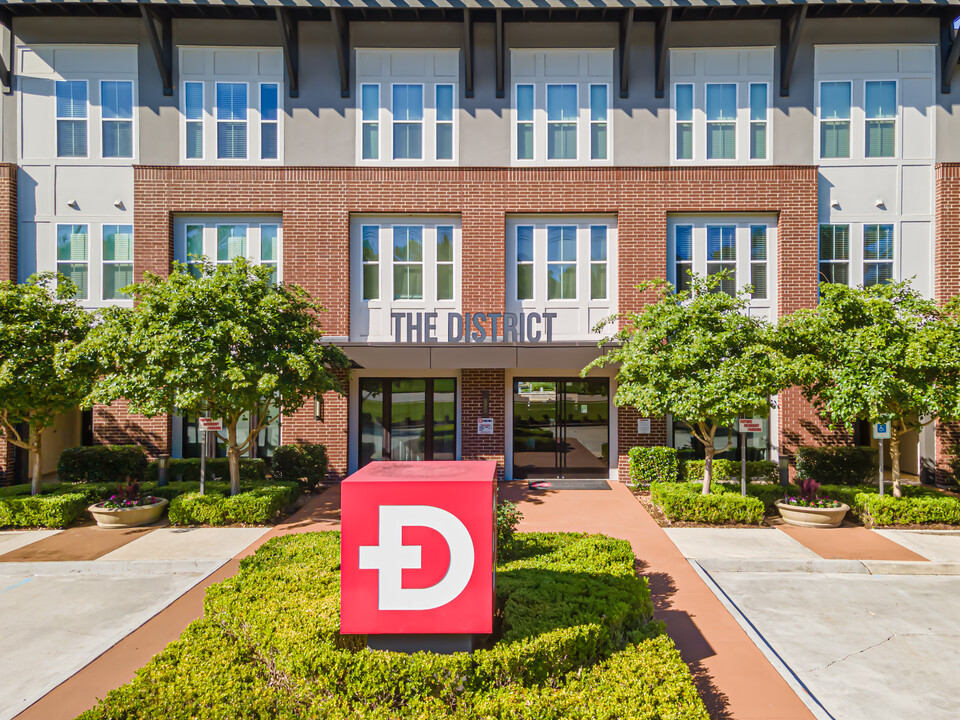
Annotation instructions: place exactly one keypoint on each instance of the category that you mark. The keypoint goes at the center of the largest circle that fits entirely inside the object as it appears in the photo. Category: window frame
(767, 121)
(437, 122)
(451, 263)
(576, 123)
(247, 121)
(422, 122)
(378, 122)
(605, 262)
(735, 122)
(185, 121)
(86, 261)
(365, 263)
(517, 122)
(85, 118)
(422, 263)
(104, 262)
(890, 262)
(607, 112)
(677, 122)
(278, 260)
(563, 262)
(131, 119)
(737, 275)
(518, 263)
(895, 119)
(820, 120)
(210, 224)
(276, 123)
(848, 262)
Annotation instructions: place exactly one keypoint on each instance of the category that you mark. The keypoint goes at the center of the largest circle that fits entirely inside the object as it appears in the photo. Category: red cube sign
(417, 548)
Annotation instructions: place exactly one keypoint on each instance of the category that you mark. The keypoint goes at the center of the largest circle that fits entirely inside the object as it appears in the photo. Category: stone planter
(128, 517)
(814, 517)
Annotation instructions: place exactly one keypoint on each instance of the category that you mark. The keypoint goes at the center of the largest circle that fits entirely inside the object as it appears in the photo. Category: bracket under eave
(7, 58)
(290, 38)
(501, 49)
(662, 47)
(341, 27)
(789, 44)
(161, 42)
(467, 54)
(949, 52)
(626, 31)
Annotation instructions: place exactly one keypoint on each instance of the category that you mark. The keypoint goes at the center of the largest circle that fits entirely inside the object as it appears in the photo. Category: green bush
(253, 507)
(876, 509)
(577, 642)
(305, 464)
(729, 470)
(252, 470)
(508, 517)
(53, 511)
(653, 464)
(111, 464)
(685, 502)
(842, 465)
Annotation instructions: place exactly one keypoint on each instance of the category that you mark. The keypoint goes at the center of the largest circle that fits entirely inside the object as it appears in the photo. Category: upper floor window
(835, 254)
(721, 105)
(407, 106)
(71, 118)
(231, 121)
(269, 121)
(880, 113)
(73, 257)
(116, 114)
(561, 106)
(117, 258)
(221, 239)
(867, 261)
(858, 114)
(193, 114)
(877, 254)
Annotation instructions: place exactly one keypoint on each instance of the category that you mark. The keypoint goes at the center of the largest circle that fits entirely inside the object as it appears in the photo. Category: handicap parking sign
(881, 431)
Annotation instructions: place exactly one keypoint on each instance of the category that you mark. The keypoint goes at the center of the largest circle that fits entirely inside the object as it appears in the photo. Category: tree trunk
(895, 458)
(708, 453)
(35, 473)
(233, 458)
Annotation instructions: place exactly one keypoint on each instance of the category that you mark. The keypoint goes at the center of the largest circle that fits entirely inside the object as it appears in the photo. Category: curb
(854, 567)
(111, 568)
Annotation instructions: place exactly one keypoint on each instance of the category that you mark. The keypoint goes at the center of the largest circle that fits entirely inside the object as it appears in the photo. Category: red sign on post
(209, 424)
(751, 425)
(417, 548)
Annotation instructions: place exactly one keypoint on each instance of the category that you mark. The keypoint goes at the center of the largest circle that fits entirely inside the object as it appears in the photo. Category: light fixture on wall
(880, 203)
(318, 408)
(74, 204)
(485, 403)
(835, 204)
(119, 204)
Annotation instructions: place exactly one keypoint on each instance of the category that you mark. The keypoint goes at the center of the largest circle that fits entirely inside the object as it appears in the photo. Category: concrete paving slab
(187, 543)
(937, 545)
(11, 540)
(865, 646)
(54, 624)
(743, 543)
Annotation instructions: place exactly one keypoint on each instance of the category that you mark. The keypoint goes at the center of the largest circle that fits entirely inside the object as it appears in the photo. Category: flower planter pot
(815, 517)
(128, 517)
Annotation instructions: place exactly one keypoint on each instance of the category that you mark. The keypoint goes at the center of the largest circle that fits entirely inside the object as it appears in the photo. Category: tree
(882, 353)
(697, 355)
(39, 321)
(225, 342)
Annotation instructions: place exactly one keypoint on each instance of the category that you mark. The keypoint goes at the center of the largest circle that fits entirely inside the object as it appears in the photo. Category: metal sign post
(881, 432)
(205, 425)
(881, 466)
(746, 425)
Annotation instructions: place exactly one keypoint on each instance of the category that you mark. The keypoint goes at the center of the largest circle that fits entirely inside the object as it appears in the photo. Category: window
(598, 262)
(880, 112)
(758, 121)
(722, 255)
(269, 248)
(193, 112)
(370, 254)
(877, 254)
(71, 118)
(407, 262)
(116, 113)
(231, 121)
(445, 262)
(684, 104)
(407, 122)
(598, 122)
(72, 258)
(525, 122)
(524, 262)
(561, 122)
(683, 251)
(370, 121)
(194, 247)
(444, 108)
(835, 254)
(269, 120)
(835, 119)
(561, 262)
(117, 260)
(231, 242)
(721, 121)
(758, 261)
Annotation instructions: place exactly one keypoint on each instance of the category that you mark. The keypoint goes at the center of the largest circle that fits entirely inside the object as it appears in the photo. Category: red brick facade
(113, 425)
(947, 278)
(8, 264)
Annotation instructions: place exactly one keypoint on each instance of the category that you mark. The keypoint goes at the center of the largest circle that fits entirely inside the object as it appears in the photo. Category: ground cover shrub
(107, 464)
(305, 464)
(729, 470)
(842, 465)
(653, 464)
(188, 470)
(684, 502)
(53, 511)
(577, 642)
(254, 507)
(508, 517)
(876, 509)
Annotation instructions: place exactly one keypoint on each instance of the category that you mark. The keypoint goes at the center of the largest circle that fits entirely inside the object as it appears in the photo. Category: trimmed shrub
(653, 464)
(577, 643)
(113, 464)
(253, 507)
(508, 517)
(684, 502)
(842, 465)
(305, 464)
(252, 470)
(729, 470)
(53, 511)
(876, 509)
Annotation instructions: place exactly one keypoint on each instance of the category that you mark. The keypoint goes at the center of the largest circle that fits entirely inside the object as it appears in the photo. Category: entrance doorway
(561, 428)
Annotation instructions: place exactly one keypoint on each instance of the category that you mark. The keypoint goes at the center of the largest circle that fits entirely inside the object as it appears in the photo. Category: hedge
(653, 464)
(577, 642)
(252, 470)
(842, 465)
(876, 509)
(111, 464)
(53, 511)
(729, 470)
(305, 464)
(684, 502)
(254, 507)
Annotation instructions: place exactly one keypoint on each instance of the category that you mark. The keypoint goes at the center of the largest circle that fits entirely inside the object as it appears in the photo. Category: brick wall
(302, 426)
(947, 279)
(115, 425)
(473, 384)
(8, 266)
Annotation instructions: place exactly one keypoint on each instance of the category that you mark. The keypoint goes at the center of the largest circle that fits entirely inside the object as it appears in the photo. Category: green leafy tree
(882, 353)
(226, 342)
(39, 321)
(698, 355)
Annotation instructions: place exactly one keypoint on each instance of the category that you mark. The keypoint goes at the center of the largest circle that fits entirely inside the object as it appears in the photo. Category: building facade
(471, 190)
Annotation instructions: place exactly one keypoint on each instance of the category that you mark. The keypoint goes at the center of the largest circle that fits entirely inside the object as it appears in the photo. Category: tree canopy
(698, 355)
(226, 342)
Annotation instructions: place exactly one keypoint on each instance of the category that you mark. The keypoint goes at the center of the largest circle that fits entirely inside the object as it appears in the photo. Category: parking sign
(881, 431)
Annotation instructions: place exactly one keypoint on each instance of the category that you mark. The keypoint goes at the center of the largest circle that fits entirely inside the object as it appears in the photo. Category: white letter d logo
(391, 557)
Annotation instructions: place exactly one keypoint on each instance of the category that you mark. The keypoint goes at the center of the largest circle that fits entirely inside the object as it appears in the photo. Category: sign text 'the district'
(421, 327)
